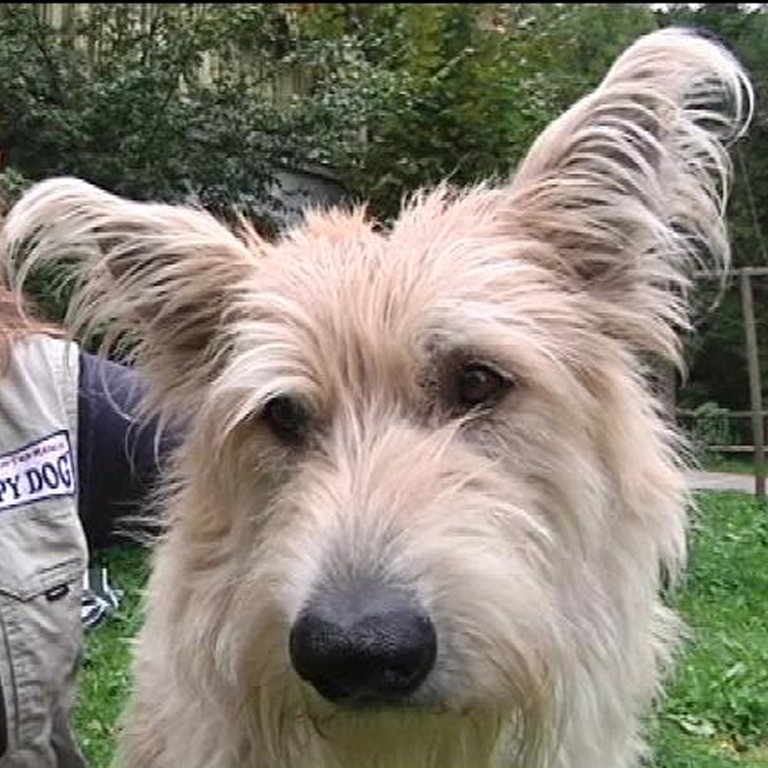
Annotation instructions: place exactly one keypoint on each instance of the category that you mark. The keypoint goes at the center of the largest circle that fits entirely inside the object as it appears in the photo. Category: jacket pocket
(42, 560)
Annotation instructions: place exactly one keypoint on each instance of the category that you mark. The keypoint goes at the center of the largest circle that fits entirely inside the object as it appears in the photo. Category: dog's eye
(478, 385)
(288, 418)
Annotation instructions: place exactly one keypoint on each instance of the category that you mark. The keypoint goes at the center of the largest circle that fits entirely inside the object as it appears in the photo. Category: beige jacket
(42, 555)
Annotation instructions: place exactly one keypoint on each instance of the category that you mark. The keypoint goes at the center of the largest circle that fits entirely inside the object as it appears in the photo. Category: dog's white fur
(536, 533)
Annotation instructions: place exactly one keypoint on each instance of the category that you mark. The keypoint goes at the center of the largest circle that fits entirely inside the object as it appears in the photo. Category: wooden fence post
(755, 386)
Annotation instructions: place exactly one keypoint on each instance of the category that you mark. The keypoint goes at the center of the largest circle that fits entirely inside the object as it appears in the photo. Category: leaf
(696, 726)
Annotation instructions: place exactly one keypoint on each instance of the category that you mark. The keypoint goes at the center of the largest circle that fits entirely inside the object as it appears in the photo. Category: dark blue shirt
(119, 456)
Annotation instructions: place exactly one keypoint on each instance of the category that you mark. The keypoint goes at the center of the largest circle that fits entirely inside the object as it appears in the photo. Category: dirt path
(721, 481)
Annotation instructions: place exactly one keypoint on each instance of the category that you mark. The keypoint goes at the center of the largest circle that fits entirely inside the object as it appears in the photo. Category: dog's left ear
(627, 189)
(168, 275)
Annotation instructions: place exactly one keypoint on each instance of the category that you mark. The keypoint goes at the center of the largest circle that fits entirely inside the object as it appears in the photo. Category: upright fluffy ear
(627, 190)
(169, 276)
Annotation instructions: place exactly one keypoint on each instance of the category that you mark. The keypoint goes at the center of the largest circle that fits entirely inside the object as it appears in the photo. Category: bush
(711, 427)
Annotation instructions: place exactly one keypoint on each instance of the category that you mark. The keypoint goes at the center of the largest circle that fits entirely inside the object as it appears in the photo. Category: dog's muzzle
(364, 644)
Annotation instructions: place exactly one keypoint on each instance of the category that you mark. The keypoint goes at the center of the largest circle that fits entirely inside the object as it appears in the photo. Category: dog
(427, 497)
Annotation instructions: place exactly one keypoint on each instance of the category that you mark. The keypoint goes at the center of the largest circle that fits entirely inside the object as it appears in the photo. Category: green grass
(716, 711)
(104, 678)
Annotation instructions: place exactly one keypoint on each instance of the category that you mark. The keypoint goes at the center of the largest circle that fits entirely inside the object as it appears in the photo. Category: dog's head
(425, 477)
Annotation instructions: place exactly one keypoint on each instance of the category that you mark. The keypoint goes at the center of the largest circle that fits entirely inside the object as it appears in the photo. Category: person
(74, 463)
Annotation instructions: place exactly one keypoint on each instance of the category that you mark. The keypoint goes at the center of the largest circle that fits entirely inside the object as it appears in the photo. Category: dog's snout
(363, 646)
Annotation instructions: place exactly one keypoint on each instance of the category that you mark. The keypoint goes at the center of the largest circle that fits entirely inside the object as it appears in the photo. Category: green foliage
(12, 185)
(176, 102)
(462, 90)
(711, 427)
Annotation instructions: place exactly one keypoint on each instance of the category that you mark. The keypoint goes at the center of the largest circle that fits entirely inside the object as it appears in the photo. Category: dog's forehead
(343, 301)
(443, 253)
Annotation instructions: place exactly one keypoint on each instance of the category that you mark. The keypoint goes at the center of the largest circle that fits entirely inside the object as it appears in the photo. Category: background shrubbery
(208, 102)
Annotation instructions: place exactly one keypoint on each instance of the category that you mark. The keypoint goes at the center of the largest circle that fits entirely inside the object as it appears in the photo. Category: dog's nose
(363, 645)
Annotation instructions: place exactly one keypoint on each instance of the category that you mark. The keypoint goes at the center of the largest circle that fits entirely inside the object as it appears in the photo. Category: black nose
(365, 644)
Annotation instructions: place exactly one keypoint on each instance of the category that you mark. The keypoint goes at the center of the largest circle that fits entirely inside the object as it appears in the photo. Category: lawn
(716, 711)
(716, 714)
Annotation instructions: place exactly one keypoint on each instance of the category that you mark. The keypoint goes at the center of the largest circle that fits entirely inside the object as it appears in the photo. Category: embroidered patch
(41, 470)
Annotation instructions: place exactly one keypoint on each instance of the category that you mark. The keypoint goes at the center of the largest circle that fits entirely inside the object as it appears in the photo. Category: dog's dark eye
(288, 418)
(478, 385)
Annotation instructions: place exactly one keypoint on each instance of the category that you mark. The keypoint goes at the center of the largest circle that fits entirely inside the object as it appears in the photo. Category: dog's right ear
(168, 276)
(627, 189)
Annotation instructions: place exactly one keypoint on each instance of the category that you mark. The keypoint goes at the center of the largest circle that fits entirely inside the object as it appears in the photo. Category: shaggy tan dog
(427, 497)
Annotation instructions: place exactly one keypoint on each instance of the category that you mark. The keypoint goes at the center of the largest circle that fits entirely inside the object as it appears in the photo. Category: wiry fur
(535, 535)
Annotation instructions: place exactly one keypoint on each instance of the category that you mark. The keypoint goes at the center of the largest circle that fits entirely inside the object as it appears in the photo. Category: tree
(128, 100)
(459, 91)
